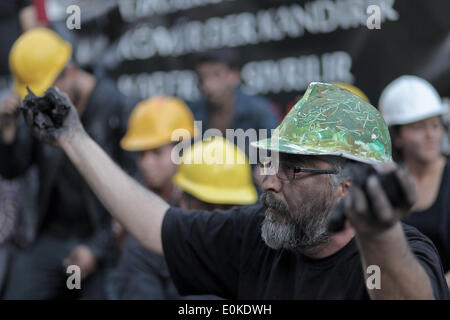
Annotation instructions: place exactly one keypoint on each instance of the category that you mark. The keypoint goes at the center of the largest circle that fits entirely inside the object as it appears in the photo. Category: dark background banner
(146, 45)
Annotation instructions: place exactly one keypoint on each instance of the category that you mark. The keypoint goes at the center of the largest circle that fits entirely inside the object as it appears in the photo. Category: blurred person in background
(72, 227)
(9, 208)
(226, 103)
(352, 89)
(413, 111)
(149, 135)
(150, 128)
(205, 185)
(16, 16)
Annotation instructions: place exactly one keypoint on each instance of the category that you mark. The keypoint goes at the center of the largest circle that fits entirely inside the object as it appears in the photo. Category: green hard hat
(329, 120)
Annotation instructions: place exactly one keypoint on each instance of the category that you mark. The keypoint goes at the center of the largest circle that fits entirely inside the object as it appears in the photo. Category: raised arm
(382, 242)
(136, 208)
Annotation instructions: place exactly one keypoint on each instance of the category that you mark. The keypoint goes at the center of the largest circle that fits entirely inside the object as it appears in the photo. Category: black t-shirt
(222, 253)
(434, 222)
(67, 215)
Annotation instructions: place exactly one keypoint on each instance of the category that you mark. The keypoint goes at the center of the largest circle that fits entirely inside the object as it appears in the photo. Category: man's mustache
(268, 200)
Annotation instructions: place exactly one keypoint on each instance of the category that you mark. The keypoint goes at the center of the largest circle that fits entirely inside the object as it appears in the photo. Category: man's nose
(149, 157)
(271, 183)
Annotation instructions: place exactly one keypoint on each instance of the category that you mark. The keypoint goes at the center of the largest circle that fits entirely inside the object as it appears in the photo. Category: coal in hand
(359, 173)
(48, 111)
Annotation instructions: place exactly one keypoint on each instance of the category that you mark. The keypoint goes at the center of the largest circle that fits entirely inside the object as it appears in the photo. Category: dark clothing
(10, 30)
(38, 273)
(142, 275)
(222, 253)
(105, 119)
(434, 222)
(250, 112)
(67, 215)
(9, 208)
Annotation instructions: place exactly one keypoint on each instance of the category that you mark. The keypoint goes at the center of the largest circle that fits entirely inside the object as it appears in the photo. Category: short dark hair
(228, 56)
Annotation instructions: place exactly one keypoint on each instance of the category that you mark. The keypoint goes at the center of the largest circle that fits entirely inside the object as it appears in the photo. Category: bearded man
(281, 248)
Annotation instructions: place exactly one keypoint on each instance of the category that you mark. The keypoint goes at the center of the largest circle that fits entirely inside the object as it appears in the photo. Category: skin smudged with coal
(45, 112)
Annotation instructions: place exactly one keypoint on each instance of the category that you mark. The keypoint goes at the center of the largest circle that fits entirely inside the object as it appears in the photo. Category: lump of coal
(48, 111)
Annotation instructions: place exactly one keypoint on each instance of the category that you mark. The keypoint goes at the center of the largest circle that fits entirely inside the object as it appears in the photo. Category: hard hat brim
(407, 120)
(284, 146)
(216, 195)
(147, 143)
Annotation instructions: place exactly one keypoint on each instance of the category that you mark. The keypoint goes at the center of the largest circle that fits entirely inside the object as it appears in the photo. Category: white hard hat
(409, 99)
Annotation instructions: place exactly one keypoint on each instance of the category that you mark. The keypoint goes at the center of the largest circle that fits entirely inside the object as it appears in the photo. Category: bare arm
(402, 276)
(140, 211)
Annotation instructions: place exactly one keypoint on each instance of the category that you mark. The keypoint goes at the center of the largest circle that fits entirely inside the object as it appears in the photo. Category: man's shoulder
(419, 243)
(413, 234)
(253, 100)
(246, 212)
(107, 94)
(198, 108)
(239, 220)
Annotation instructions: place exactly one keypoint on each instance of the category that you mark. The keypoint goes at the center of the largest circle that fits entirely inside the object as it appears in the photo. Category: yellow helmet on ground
(352, 89)
(153, 121)
(36, 59)
(218, 172)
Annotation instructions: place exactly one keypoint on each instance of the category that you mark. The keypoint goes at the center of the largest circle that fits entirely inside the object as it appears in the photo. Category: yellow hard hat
(36, 59)
(218, 172)
(153, 121)
(352, 89)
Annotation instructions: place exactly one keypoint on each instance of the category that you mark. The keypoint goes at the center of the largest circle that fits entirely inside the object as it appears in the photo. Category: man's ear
(345, 186)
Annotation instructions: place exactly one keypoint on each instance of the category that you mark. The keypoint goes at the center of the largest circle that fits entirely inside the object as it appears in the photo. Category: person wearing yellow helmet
(71, 222)
(221, 180)
(150, 129)
(413, 110)
(352, 89)
(282, 248)
(213, 174)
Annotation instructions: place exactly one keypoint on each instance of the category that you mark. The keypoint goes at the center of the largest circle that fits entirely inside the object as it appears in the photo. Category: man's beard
(305, 231)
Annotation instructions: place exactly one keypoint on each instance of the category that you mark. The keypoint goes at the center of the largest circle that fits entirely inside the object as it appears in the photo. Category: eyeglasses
(288, 172)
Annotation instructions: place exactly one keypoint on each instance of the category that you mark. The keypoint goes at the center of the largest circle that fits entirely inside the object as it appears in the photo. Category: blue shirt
(250, 111)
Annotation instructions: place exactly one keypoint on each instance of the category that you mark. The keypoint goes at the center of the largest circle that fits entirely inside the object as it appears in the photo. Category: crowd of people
(108, 196)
